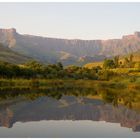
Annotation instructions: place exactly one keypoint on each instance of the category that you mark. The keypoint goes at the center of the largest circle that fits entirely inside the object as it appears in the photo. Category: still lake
(69, 114)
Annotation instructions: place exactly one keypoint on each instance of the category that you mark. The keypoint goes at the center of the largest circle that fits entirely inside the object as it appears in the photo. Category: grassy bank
(115, 82)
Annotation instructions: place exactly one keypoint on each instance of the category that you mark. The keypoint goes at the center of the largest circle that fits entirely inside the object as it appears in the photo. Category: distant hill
(52, 50)
(8, 55)
(136, 58)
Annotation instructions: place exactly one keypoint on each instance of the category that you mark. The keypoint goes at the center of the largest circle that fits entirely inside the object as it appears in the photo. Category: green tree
(131, 61)
(60, 66)
(131, 58)
(108, 63)
(116, 61)
(126, 62)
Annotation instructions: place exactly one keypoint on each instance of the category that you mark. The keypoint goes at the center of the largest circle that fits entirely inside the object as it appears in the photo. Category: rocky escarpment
(68, 51)
(7, 37)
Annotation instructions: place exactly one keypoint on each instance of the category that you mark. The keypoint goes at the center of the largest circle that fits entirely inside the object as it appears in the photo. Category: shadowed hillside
(8, 55)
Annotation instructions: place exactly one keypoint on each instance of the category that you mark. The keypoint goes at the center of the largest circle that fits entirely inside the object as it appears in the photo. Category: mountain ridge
(50, 50)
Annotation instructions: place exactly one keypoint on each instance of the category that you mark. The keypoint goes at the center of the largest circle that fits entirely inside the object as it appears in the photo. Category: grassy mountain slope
(8, 55)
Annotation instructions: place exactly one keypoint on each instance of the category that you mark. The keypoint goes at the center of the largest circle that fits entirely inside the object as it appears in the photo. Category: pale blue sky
(72, 20)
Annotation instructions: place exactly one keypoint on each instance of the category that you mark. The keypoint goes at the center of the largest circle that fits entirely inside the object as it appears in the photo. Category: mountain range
(67, 51)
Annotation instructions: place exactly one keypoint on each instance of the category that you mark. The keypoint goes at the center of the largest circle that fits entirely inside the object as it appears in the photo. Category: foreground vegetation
(33, 72)
(114, 82)
(112, 69)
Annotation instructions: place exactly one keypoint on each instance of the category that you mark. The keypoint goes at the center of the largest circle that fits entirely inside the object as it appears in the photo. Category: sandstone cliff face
(7, 37)
(49, 49)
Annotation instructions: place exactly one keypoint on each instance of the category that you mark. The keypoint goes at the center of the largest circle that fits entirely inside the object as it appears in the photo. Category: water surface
(66, 114)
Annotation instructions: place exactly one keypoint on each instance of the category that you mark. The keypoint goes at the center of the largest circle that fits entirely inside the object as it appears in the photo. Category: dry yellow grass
(94, 64)
(122, 70)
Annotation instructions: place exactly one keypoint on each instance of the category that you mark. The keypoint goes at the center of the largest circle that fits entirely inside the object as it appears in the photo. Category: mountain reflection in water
(21, 109)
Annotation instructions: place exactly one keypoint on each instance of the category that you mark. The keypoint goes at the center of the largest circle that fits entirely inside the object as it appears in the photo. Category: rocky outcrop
(7, 37)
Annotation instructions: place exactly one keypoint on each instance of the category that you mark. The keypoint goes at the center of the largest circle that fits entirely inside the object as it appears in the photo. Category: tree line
(116, 62)
(34, 69)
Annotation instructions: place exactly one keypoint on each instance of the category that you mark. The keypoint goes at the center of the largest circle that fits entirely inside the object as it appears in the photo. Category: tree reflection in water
(79, 103)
